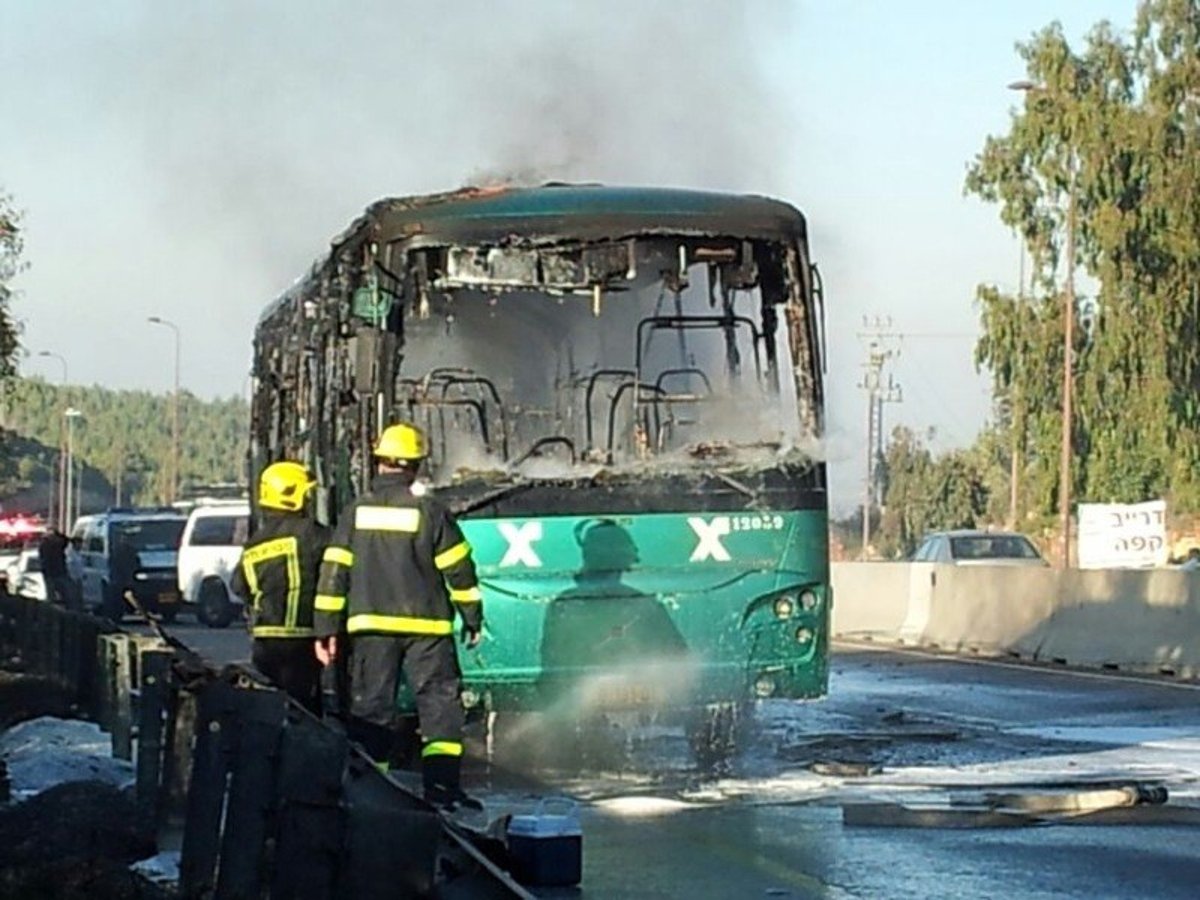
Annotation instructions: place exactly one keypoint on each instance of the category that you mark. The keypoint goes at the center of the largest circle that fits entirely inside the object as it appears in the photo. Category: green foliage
(924, 493)
(12, 243)
(123, 437)
(1115, 126)
(1105, 148)
(24, 463)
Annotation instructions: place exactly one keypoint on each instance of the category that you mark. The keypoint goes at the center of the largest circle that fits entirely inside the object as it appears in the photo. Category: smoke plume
(230, 141)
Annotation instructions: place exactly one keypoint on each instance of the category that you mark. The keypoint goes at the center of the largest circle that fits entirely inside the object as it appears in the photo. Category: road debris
(845, 769)
(1093, 804)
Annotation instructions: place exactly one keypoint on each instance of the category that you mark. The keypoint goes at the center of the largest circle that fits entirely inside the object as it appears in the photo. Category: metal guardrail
(273, 802)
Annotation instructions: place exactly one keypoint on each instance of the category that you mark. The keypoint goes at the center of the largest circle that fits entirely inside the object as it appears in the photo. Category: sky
(189, 160)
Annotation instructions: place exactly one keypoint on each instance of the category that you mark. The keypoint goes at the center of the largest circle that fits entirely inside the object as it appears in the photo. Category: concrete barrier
(990, 609)
(1145, 621)
(1142, 621)
(870, 598)
(922, 579)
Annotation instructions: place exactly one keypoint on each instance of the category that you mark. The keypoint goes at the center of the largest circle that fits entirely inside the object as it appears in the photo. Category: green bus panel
(649, 609)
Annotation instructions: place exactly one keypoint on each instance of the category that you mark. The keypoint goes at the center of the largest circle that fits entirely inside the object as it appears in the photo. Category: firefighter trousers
(292, 666)
(429, 664)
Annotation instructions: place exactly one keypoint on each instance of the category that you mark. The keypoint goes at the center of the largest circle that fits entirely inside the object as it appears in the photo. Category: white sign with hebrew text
(1122, 535)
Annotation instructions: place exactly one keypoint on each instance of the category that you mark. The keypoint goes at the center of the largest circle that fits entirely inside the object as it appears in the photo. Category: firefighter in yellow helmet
(395, 573)
(277, 576)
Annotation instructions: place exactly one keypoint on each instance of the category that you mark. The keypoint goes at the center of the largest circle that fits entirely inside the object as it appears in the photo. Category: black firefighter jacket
(398, 564)
(277, 575)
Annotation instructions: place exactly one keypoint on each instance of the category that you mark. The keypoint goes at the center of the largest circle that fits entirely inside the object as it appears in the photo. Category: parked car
(10, 552)
(131, 550)
(16, 533)
(24, 575)
(979, 548)
(209, 551)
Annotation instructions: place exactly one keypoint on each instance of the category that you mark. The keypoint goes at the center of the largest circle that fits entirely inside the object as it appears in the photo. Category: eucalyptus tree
(12, 245)
(1103, 149)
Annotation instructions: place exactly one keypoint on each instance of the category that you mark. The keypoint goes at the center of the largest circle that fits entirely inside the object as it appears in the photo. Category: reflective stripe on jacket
(277, 575)
(398, 564)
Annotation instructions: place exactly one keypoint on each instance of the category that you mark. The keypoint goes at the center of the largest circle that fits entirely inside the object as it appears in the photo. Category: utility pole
(1016, 414)
(120, 473)
(1030, 89)
(1064, 488)
(70, 497)
(59, 506)
(889, 393)
(173, 484)
(880, 341)
(54, 505)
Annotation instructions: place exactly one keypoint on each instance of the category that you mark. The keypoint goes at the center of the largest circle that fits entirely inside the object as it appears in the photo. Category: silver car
(978, 548)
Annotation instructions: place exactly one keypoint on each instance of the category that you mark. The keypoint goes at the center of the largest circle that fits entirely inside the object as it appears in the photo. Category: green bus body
(619, 385)
(660, 610)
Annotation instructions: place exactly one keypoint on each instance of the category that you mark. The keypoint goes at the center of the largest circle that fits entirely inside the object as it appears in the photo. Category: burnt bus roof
(580, 211)
(556, 212)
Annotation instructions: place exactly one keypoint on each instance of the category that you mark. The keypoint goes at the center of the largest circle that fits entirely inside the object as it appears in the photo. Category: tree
(124, 439)
(907, 464)
(924, 493)
(1116, 127)
(12, 245)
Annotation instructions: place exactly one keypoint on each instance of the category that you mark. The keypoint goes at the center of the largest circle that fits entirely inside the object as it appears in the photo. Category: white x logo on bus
(710, 534)
(520, 544)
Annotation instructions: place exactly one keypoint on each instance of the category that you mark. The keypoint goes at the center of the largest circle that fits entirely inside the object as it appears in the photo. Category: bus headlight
(808, 601)
(764, 686)
(784, 606)
(804, 635)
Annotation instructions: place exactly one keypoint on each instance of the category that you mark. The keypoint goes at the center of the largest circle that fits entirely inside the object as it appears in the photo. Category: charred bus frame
(561, 292)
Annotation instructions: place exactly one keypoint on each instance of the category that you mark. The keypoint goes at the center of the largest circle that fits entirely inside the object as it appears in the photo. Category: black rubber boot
(376, 740)
(441, 776)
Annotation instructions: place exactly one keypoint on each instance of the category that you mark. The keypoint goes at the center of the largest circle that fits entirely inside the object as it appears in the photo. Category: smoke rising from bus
(268, 125)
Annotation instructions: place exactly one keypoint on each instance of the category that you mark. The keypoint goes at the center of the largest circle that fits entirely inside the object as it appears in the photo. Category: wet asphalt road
(930, 730)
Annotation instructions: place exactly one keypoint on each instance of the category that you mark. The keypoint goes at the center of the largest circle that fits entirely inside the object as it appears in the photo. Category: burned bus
(623, 391)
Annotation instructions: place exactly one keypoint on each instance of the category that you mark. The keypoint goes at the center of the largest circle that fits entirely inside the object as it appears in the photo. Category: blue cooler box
(546, 847)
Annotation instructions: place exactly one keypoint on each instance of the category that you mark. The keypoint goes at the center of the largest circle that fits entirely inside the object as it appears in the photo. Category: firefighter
(277, 576)
(395, 572)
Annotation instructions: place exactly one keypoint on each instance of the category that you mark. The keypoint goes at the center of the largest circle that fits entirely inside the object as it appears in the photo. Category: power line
(882, 326)
(882, 345)
(955, 335)
(929, 385)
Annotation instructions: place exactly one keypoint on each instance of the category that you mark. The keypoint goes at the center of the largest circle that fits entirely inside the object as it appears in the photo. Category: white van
(209, 551)
(130, 550)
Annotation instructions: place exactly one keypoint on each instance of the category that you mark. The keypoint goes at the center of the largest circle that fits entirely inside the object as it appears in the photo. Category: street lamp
(62, 360)
(54, 512)
(173, 488)
(70, 498)
(1064, 466)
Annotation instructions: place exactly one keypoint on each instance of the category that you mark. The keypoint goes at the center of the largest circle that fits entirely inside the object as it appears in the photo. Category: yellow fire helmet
(404, 442)
(284, 485)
